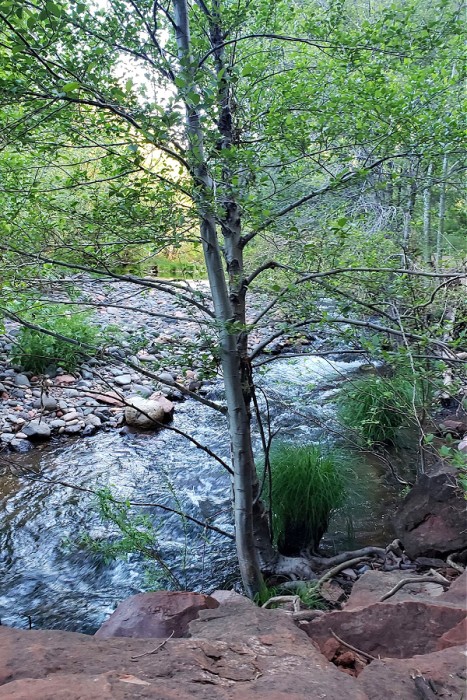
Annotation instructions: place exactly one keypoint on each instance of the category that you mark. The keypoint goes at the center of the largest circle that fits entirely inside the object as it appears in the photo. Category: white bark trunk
(442, 212)
(229, 305)
(427, 215)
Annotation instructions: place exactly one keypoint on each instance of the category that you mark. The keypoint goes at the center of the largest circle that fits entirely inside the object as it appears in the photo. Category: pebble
(73, 429)
(72, 415)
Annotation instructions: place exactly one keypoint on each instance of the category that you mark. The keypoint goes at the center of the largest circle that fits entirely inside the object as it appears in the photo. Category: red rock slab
(398, 630)
(456, 635)
(158, 615)
(389, 679)
(457, 592)
(51, 665)
(373, 585)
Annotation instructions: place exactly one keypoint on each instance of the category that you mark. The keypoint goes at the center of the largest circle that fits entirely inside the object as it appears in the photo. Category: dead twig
(420, 579)
(153, 651)
(352, 648)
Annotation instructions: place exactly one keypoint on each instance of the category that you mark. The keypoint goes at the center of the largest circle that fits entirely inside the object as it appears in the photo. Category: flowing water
(47, 580)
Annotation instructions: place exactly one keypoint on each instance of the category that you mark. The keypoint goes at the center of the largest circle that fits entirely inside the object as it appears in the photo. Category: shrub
(307, 485)
(378, 408)
(36, 350)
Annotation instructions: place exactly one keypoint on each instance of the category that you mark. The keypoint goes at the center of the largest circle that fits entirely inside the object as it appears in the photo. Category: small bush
(36, 350)
(308, 483)
(378, 408)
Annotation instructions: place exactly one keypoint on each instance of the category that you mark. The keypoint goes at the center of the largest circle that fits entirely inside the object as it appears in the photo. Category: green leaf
(70, 87)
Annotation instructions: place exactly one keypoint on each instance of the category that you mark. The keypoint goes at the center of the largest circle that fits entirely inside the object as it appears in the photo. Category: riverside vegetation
(309, 155)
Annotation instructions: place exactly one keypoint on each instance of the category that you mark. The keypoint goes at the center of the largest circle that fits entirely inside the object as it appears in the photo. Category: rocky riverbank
(152, 329)
(224, 647)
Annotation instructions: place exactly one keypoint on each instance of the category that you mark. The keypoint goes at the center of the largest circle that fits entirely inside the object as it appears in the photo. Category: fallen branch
(352, 648)
(153, 651)
(435, 578)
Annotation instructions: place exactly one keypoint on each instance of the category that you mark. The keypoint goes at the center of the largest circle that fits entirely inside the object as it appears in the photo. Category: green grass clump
(378, 408)
(308, 483)
(36, 350)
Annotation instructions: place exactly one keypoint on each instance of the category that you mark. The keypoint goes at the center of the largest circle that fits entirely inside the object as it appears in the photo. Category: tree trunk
(427, 216)
(229, 301)
(442, 212)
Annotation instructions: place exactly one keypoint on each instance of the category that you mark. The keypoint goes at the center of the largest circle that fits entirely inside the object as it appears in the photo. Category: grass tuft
(308, 483)
(379, 408)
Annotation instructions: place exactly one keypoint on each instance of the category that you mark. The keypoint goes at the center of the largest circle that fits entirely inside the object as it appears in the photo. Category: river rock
(37, 430)
(154, 410)
(93, 420)
(22, 380)
(123, 379)
(20, 445)
(143, 390)
(159, 614)
(432, 518)
(46, 402)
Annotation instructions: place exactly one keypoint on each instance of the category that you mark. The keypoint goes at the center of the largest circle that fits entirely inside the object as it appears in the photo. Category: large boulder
(147, 413)
(432, 518)
(161, 614)
(373, 585)
(395, 678)
(390, 630)
(241, 652)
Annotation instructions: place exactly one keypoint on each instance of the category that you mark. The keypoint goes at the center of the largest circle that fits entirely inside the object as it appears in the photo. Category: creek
(47, 579)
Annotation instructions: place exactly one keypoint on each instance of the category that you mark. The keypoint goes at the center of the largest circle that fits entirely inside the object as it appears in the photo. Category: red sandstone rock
(454, 636)
(393, 678)
(373, 585)
(159, 615)
(264, 657)
(457, 592)
(431, 520)
(111, 398)
(398, 630)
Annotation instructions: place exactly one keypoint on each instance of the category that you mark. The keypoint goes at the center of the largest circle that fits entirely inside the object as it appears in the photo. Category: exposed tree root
(319, 563)
(336, 569)
(435, 578)
(306, 568)
(454, 564)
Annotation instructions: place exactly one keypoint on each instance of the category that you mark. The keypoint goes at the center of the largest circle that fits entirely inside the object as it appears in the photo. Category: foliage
(449, 451)
(134, 534)
(378, 408)
(308, 594)
(35, 350)
(308, 483)
(306, 131)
